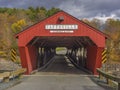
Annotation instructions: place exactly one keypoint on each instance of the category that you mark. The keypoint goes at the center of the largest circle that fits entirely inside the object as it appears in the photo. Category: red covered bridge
(84, 43)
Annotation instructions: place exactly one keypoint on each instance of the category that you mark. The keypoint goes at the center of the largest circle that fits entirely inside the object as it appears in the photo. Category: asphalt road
(60, 75)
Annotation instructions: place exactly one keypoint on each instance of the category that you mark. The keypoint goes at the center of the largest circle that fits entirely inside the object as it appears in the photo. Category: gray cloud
(78, 8)
(27, 3)
(90, 8)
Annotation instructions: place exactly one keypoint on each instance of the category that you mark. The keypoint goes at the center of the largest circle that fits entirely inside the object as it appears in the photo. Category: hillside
(14, 20)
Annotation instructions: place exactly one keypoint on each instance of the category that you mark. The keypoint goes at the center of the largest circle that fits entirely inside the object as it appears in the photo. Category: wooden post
(20, 76)
(118, 86)
(107, 80)
(6, 79)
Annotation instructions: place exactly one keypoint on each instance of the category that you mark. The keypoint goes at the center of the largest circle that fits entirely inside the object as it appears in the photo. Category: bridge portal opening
(73, 47)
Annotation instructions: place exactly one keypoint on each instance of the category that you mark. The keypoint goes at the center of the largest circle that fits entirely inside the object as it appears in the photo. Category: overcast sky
(101, 9)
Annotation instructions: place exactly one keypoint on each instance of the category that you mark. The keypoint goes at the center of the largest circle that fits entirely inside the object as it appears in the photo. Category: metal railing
(109, 76)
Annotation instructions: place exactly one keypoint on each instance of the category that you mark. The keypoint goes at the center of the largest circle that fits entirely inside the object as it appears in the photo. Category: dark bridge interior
(68, 42)
(76, 49)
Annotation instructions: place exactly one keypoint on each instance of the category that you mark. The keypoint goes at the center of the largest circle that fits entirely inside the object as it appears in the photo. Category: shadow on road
(62, 65)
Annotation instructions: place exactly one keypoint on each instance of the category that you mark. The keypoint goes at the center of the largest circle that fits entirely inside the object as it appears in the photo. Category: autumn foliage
(14, 20)
(111, 27)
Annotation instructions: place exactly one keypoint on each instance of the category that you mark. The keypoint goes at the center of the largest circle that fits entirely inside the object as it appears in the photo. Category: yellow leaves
(115, 36)
(112, 27)
(113, 54)
(3, 53)
(18, 26)
(114, 57)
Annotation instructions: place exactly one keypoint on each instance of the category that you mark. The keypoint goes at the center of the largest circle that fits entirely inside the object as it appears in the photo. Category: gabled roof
(93, 28)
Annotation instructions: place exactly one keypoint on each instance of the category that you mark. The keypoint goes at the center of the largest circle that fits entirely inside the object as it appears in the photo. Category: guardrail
(6, 76)
(109, 77)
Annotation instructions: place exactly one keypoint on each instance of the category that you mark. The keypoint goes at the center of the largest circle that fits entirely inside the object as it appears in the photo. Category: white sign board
(63, 27)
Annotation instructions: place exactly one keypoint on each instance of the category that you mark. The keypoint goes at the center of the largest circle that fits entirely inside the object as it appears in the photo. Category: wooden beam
(36, 39)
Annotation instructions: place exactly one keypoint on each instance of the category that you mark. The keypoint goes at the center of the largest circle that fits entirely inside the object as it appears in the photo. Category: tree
(112, 28)
(18, 26)
(14, 20)
(96, 23)
(52, 11)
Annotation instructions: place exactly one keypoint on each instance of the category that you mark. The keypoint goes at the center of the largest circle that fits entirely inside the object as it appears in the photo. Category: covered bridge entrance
(84, 43)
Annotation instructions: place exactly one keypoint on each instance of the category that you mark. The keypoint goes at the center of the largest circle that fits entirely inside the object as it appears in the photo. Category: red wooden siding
(28, 53)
